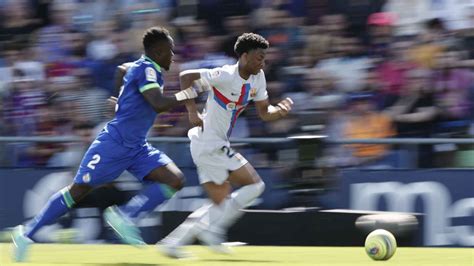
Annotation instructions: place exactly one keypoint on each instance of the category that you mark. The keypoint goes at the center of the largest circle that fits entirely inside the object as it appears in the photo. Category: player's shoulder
(227, 70)
(222, 73)
(261, 73)
(230, 69)
(142, 64)
(145, 68)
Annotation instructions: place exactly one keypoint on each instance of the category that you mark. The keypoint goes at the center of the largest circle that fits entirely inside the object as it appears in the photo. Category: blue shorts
(106, 159)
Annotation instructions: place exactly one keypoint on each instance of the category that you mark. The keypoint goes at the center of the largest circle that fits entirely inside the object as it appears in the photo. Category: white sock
(246, 194)
(240, 199)
(215, 218)
(185, 233)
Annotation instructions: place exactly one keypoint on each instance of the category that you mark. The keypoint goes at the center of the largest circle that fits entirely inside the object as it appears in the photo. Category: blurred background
(395, 73)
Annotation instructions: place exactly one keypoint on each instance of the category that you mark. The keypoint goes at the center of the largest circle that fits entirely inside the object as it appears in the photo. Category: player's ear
(244, 57)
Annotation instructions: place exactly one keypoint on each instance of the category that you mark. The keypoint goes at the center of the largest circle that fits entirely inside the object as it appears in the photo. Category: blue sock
(150, 197)
(58, 205)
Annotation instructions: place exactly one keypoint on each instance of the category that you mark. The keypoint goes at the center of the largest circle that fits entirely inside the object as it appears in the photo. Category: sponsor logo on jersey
(86, 178)
(253, 92)
(231, 106)
(150, 74)
(215, 73)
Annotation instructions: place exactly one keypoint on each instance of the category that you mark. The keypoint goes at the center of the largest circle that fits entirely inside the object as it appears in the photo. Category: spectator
(364, 122)
(17, 22)
(22, 104)
(52, 37)
(429, 45)
(452, 85)
(381, 26)
(349, 66)
(415, 113)
(392, 71)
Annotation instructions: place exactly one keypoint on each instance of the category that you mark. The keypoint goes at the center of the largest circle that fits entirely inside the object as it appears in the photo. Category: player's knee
(178, 182)
(256, 189)
(78, 191)
(248, 193)
(259, 187)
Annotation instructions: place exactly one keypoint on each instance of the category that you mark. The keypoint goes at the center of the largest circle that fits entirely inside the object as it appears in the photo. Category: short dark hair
(154, 35)
(249, 41)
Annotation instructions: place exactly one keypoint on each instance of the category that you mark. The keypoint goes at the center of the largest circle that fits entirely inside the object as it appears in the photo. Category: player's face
(255, 61)
(165, 54)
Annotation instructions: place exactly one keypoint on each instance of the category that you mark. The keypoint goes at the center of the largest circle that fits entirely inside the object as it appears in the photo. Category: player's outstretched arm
(188, 79)
(268, 112)
(161, 103)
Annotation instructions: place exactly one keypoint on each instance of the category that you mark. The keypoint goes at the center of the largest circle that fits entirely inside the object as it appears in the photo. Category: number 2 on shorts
(228, 151)
(95, 160)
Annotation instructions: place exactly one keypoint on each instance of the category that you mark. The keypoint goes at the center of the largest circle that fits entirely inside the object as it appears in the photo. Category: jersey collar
(158, 68)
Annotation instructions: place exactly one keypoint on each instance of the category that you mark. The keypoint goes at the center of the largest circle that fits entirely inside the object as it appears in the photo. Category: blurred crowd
(355, 69)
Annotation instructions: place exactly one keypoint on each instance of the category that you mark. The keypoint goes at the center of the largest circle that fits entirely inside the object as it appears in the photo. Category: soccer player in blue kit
(121, 146)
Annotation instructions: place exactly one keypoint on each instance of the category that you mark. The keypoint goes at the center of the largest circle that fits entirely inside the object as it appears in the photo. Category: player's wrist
(275, 112)
(186, 94)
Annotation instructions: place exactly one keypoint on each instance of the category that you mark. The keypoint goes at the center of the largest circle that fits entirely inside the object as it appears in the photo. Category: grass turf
(65, 254)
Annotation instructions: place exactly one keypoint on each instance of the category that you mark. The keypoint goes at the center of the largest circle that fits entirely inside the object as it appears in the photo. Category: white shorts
(215, 160)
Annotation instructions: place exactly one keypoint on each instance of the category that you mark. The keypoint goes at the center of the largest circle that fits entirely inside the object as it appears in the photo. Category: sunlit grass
(62, 254)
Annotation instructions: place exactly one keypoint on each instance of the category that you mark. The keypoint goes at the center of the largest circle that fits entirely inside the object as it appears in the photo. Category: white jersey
(228, 97)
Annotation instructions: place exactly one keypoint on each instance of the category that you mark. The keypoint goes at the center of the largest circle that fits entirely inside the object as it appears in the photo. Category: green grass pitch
(64, 254)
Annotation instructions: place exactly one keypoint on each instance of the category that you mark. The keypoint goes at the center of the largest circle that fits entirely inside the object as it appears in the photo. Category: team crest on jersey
(150, 74)
(215, 73)
(230, 106)
(253, 92)
(86, 178)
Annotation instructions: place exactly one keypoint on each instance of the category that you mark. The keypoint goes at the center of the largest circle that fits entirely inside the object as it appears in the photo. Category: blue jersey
(134, 116)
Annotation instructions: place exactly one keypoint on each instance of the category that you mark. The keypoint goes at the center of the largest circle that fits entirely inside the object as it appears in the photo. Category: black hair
(153, 36)
(249, 41)
(435, 24)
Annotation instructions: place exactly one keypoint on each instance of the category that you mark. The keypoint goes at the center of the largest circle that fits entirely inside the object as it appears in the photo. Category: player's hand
(284, 107)
(195, 118)
(112, 100)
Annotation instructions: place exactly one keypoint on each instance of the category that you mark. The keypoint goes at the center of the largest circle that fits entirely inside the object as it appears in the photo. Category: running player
(121, 146)
(231, 88)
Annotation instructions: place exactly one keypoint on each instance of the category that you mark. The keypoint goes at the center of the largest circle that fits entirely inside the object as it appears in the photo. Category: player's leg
(226, 210)
(97, 167)
(186, 232)
(161, 178)
(251, 188)
(213, 225)
(213, 173)
(58, 205)
(161, 184)
(207, 223)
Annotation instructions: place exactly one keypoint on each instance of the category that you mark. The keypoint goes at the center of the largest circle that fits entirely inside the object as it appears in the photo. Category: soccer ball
(380, 244)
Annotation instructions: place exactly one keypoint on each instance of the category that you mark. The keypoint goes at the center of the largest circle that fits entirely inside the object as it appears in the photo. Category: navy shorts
(106, 159)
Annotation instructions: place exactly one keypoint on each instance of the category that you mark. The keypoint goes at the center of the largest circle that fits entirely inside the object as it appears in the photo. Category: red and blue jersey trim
(244, 94)
(239, 105)
(220, 98)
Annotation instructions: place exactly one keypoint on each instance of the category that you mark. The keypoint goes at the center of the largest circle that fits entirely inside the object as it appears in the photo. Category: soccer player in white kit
(231, 88)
